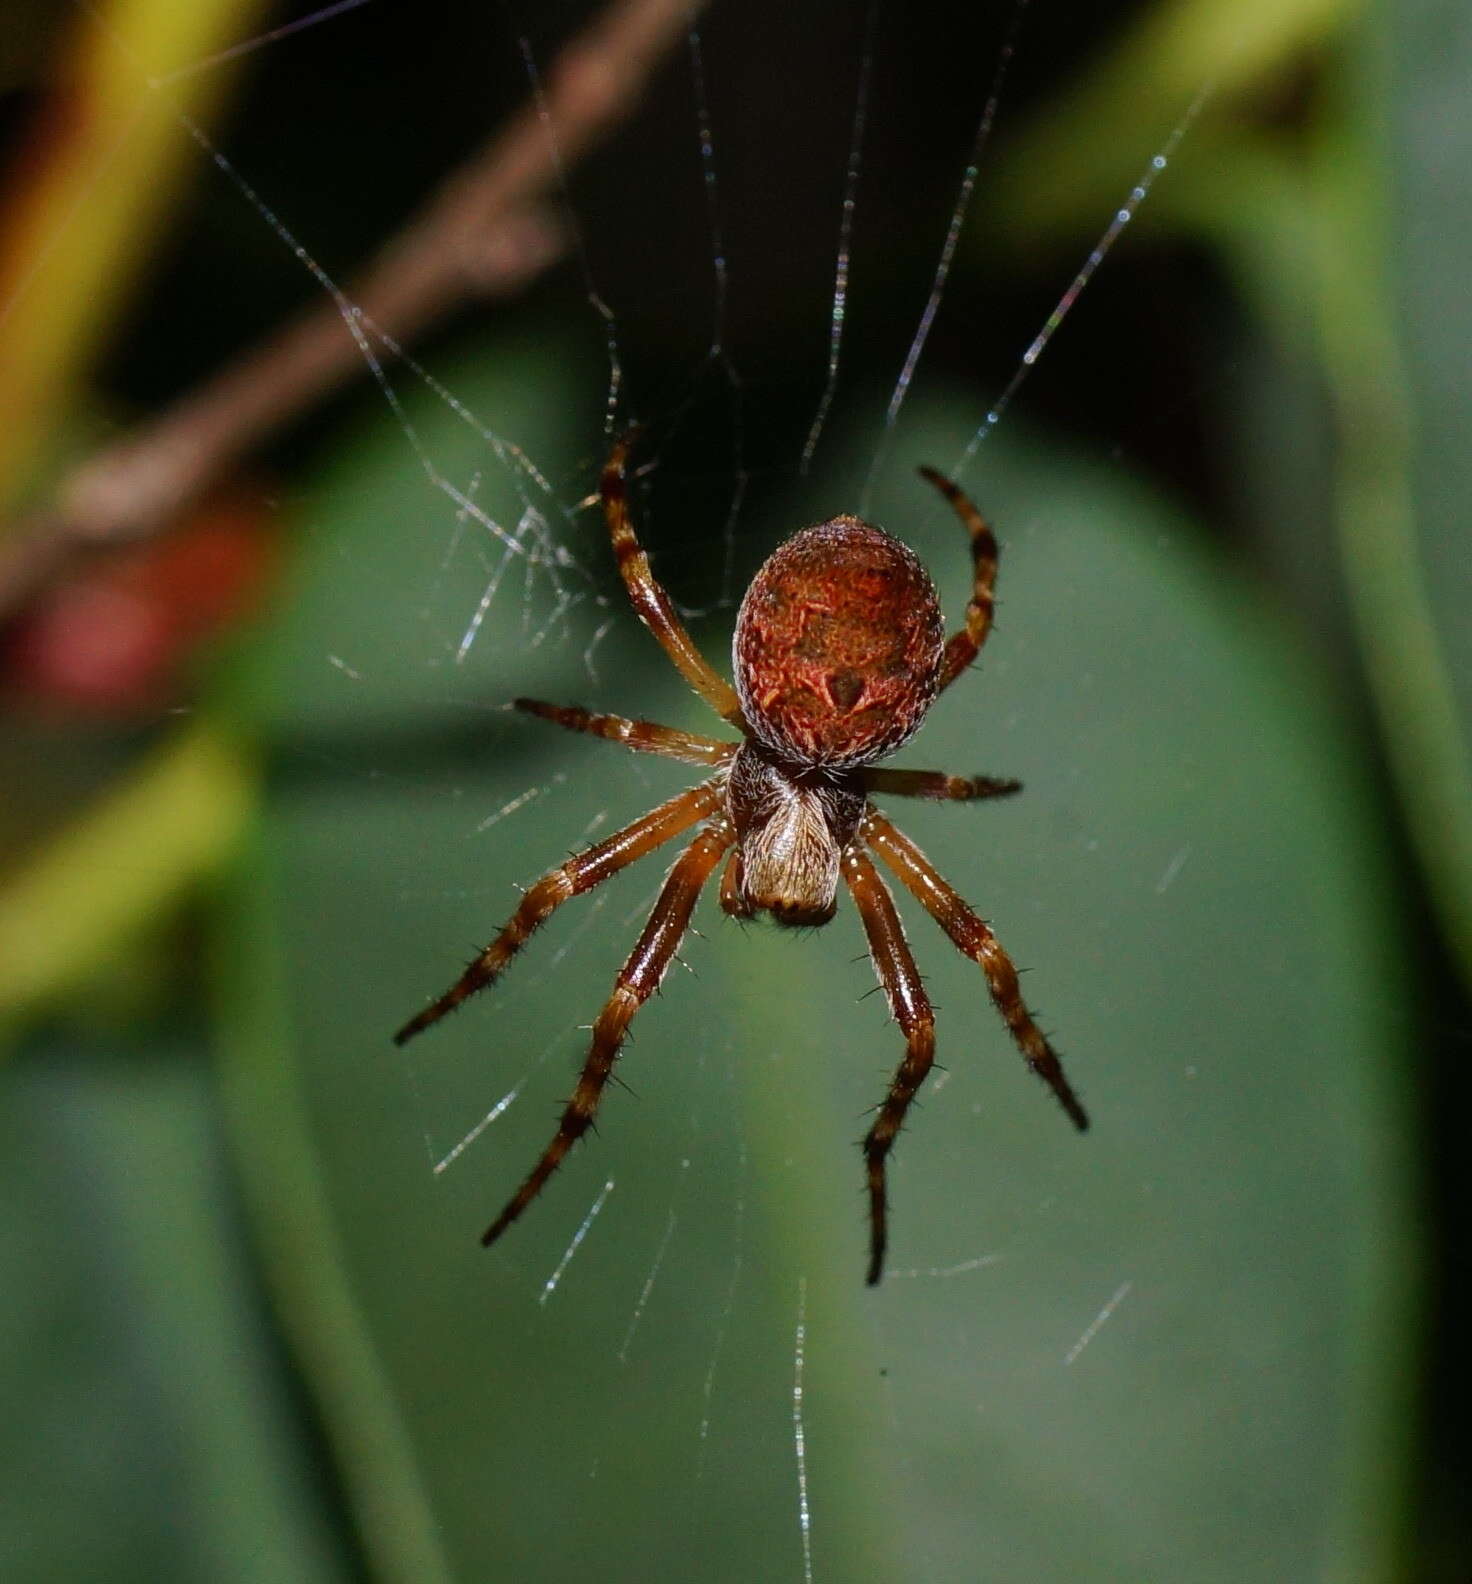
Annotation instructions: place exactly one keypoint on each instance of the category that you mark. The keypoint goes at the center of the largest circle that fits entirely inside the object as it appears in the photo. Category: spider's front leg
(638, 979)
(910, 1006)
(580, 873)
(973, 937)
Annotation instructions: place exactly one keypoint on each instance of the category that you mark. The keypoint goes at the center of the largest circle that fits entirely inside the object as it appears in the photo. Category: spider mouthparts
(800, 915)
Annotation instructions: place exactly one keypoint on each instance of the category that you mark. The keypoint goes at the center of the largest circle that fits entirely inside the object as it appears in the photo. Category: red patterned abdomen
(838, 645)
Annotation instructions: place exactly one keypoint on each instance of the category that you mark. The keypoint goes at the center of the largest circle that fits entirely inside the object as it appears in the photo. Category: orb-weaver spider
(839, 653)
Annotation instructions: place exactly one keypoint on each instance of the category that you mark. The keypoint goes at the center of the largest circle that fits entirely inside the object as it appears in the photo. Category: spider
(839, 652)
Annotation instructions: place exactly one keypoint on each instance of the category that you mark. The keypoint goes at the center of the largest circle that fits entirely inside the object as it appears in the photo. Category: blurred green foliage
(1192, 874)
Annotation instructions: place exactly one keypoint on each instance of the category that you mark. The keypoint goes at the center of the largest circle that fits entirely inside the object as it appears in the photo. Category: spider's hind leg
(962, 647)
(647, 595)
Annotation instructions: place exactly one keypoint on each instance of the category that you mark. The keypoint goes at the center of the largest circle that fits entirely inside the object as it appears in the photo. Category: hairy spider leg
(580, 873)
(895, 967)
(652, 604)
(936, 784)
(641, 735)
(733, 901)
(962, 647)
(974, 939)
(638, 979)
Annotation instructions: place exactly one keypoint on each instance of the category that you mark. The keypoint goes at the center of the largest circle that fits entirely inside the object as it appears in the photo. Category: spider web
(666, 1332)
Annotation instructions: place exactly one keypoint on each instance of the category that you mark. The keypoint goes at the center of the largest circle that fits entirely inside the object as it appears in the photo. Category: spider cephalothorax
(791, 822)
(838, 655)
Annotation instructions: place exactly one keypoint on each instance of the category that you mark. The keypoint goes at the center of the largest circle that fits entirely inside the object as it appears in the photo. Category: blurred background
(314, 325)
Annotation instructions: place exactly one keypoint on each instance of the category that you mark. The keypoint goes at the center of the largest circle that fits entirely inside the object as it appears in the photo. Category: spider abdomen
(838, 645)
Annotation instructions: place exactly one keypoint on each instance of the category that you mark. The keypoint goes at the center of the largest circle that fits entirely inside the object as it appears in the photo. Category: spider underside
(839, 654)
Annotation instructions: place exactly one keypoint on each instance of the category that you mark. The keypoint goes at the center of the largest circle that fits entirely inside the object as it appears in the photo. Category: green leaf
(1169, 1349)
(149, 1429)
(120, 865)
(1058, 178)
(1342, 235)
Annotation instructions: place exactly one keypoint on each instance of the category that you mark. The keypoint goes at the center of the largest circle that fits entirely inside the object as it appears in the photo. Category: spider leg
(732, 901)
(895, 967)
(638, 979)
(580, 873)
(974, 939)
(962, 647)
(652, 604)
(936, 784)
(641, 735)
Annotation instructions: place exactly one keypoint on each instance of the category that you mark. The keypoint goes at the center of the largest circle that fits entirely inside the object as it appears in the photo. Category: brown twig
(485, 232)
